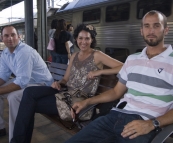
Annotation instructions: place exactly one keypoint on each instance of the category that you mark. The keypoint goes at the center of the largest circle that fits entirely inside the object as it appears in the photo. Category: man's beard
(151, 42)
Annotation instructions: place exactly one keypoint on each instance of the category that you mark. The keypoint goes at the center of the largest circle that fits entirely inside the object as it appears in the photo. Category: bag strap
(72, 126)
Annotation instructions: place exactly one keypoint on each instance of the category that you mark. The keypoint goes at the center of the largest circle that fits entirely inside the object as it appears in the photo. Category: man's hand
(78, 106)
(137, 128)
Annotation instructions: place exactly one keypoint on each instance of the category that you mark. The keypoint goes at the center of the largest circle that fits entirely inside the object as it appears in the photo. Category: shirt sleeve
(123, 75)
(24, 66)
(65, 36)
(5, 72)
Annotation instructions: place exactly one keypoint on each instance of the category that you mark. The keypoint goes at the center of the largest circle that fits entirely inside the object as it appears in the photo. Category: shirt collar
(15, 50)
(165, 53)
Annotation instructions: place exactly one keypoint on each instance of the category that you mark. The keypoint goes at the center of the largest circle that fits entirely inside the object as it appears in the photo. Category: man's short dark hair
(9, 26)
(153, 12)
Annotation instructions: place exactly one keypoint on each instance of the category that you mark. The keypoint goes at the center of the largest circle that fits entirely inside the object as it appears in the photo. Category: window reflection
(144, 6)
(117, 12)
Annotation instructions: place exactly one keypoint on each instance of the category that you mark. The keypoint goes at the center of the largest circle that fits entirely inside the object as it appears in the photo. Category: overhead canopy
(77, 4)
(7, 3)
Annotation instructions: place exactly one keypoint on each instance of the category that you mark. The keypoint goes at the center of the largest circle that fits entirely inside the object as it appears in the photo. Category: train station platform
(45, 131)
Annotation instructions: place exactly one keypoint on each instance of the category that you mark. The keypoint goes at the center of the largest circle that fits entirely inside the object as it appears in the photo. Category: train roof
(78, 4)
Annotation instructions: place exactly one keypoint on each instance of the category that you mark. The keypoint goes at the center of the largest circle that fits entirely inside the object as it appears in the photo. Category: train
(117, 22)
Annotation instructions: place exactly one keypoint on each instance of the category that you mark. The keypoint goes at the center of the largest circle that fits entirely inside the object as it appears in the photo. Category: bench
(106, 82)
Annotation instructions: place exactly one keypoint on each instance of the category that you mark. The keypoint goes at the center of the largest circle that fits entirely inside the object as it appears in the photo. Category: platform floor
(45, 131)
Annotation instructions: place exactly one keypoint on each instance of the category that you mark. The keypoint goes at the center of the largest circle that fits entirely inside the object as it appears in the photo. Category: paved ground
(44, 131)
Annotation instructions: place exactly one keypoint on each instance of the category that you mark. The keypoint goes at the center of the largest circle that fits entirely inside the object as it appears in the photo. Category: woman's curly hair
(87, 28)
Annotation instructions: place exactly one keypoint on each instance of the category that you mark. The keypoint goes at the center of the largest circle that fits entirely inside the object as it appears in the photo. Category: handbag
(65, 101)
(51, 44)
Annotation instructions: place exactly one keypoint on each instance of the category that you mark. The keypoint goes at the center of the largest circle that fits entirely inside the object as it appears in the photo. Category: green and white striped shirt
(149, 83)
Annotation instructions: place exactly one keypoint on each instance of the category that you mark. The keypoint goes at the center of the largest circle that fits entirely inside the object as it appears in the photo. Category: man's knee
(15, 96)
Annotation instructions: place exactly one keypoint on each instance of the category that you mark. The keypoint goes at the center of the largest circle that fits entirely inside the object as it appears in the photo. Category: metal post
(48, 3)
(42, 28)
(53, 3)
(29, 25)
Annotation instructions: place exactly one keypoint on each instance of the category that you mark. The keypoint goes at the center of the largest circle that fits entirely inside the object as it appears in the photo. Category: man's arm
(110, 95)
(166, 119)
(9, 88)
(116, 93)
(1, 82)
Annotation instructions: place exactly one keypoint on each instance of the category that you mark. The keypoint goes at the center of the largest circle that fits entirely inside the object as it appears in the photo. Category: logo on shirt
(160, 70)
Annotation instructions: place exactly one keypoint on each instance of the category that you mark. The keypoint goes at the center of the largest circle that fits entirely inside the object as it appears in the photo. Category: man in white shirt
(27, 66)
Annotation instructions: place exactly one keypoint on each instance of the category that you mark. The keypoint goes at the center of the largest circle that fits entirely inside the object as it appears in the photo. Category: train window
(92, 16)
(117, 12)
(120, 54)
(144, 6)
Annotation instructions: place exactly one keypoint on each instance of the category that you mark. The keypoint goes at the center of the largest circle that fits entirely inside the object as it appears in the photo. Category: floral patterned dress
(78, 75)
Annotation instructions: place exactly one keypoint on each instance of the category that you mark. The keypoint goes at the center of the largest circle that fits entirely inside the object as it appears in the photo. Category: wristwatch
(156, 124)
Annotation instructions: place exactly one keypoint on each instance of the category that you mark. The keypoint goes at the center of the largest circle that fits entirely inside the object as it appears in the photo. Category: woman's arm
(66, 76)
(93, 74)
(68, 49)
(102, 59)
(67, 73)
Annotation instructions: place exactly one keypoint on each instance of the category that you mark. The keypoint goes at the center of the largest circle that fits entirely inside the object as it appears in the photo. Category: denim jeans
(59, 58)
(108, 129)
(36, 99)
(53, 55)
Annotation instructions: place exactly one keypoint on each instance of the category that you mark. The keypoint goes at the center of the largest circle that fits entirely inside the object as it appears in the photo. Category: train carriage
(117, 21)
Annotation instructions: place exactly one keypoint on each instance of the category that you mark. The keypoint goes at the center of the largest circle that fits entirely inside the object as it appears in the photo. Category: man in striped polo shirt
(146, 81)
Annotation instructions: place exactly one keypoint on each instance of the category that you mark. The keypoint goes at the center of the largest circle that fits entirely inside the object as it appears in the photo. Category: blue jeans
(59, 58)
(53, 55)
(36, 99)
(108, 129)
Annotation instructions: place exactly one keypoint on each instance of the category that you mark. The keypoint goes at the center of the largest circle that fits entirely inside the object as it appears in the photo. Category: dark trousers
(108, 129)
(36, 99)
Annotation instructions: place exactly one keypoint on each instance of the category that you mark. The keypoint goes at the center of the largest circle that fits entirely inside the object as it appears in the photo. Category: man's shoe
(2, 132)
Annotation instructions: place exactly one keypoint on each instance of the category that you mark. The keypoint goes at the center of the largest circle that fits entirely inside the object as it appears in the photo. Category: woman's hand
(93, 74)
(56, 85)
(78, 106)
